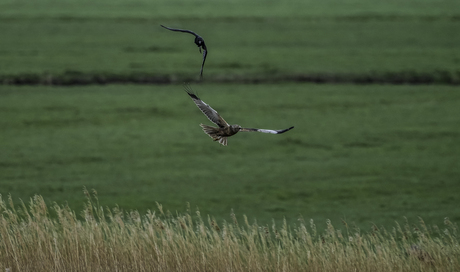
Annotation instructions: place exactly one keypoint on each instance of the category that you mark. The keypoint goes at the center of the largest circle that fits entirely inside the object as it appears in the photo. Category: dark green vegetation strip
(79, 78)
(360, 153)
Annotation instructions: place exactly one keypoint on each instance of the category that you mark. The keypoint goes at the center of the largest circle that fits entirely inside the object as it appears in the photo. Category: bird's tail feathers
(212, 132)
(223, 140)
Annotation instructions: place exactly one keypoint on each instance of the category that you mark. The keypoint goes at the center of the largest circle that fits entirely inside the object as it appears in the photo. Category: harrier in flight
(198, 41)
(223, 130)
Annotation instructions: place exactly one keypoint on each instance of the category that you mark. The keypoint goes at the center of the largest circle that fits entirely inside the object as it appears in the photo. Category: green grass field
(363, 153)
(70, 41)
(225, 9)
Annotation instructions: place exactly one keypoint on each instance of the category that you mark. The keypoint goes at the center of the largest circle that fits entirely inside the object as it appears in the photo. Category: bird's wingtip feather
(189, 91)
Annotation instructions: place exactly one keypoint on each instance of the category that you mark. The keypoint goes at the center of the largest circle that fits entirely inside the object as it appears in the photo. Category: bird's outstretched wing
(181, 30)
(199, 41)
(212, 115)
(266, 130)
(205, 53)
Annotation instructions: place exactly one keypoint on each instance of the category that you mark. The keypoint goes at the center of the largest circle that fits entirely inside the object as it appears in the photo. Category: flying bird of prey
(223, 130)
(198, 41)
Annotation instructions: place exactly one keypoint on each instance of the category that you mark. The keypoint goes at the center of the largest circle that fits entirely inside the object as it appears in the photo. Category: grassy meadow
(362, 153)
(91, 96)
(70, 42)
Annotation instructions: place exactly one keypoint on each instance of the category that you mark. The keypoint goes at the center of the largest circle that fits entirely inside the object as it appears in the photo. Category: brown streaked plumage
(224, 130)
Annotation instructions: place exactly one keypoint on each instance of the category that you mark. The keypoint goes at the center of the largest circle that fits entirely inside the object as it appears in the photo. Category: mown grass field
(72, 41)
(297, 46)
(364, 153)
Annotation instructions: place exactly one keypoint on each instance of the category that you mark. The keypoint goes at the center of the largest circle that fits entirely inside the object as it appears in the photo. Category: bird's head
(235, 127)
(199, 41)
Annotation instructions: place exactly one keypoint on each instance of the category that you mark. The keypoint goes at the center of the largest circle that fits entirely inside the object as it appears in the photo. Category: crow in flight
(198, 41)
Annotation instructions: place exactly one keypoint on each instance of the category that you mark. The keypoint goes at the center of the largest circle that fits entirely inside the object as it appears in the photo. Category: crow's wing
(205, 53)
(266, 130)
(181, 30)
(212, 115)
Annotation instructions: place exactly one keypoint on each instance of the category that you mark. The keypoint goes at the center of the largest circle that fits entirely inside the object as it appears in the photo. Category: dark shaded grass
(79, 78)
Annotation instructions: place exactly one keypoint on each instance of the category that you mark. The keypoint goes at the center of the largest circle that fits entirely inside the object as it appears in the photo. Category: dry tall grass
(32, 238)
